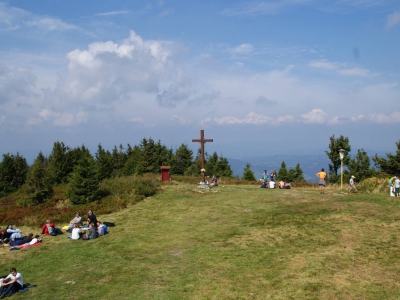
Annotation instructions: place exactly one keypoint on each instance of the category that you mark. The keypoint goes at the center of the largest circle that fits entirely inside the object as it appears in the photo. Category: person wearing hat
(352, 186)
(77, 219)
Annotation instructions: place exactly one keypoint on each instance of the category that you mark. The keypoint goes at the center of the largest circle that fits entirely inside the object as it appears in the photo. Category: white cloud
(316, 116)
(340, 68)
(205, 121)
(381, 118)
(179, 120)
(2, 118)
(255, 119)
(241, 49)
(113, 13)
(136, 120)
(50, 24)
(9, 28)
(16, 84)
(393, 19)
(46, 114)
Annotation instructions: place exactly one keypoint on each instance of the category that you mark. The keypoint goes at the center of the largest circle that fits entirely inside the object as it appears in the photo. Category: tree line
(360, 164)
(82, 172)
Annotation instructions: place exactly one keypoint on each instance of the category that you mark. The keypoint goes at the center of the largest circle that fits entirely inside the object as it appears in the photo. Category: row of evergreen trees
(291, 175)
(83, 172)
(360, 164)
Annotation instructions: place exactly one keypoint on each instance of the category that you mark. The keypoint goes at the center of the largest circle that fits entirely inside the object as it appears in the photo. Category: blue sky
(260, 77)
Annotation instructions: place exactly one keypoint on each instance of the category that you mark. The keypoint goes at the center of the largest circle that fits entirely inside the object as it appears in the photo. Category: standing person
(397, 186)
(322, 183)
(272, 176)
(11, 284)
(352, 185)
(392, 189)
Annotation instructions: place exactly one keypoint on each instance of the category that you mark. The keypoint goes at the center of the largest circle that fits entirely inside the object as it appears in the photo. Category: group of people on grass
(322, 182)
(269, 181)
(93, 227)
(14, 238)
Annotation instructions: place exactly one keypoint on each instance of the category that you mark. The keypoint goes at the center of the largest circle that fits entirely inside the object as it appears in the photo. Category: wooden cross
(202, 141)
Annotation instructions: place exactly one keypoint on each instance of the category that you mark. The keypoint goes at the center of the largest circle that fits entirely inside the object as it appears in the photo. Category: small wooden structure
(165, 173)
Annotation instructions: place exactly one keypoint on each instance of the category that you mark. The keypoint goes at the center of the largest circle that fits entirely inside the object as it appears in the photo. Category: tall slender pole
(341, 175)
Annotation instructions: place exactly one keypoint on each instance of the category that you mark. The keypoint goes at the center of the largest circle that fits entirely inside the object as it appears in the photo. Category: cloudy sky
(260, 77)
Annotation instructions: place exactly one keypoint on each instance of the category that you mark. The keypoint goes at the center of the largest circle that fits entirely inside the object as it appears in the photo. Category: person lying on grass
(11, 284)
(32, 242)
(25, 240)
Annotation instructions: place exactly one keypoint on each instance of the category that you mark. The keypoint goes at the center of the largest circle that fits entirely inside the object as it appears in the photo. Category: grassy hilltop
(230, 242)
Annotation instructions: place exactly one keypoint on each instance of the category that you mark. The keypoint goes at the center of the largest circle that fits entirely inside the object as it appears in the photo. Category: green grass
(230, 242)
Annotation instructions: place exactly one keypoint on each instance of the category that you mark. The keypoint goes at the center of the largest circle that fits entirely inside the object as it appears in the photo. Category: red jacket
(45, 229)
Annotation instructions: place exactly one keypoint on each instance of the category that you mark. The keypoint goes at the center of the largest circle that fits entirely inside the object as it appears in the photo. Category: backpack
(109, 224)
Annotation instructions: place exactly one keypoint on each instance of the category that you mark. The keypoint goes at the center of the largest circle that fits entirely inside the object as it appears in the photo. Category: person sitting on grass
(75, 233)
(11, 284)
(49, 229)
(287, 185)
(264, 184)
(25, 240)
(76, 219)
(101, 229)
(92, 232)
(8, 235)
(92, 218)
(214, 181)
(281, 184)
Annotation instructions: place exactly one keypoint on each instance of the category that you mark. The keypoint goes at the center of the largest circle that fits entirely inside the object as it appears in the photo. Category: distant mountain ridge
(310, 164)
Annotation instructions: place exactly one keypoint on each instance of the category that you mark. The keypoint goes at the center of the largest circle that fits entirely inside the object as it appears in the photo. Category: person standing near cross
(202, 141)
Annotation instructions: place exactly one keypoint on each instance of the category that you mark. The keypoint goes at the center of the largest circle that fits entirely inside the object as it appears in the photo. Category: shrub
(145, 187)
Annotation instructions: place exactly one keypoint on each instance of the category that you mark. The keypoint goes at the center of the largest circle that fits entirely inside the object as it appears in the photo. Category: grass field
(230, 242)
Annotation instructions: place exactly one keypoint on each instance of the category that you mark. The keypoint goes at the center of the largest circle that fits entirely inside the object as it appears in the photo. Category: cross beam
(202, 141)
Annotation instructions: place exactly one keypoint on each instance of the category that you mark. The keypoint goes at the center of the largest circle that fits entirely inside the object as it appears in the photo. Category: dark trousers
(10, 289)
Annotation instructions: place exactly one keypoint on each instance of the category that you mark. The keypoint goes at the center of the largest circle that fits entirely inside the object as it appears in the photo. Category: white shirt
(75, 234)
(34, 241)
(20, 280)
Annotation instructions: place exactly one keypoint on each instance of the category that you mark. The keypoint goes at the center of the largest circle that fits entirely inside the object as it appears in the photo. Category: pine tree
(60, 163)
(359, 166)
(103, 163)
(211, 164)
(391, 165)
(134, 158)
(84, 184)
(223, 168)
(296, 174)
(248, 174)
(21, 170)
(182, 160)
(38, 186)
(13, 172)
(118, 158)
(283, 173)
(7, 173)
